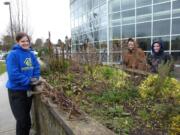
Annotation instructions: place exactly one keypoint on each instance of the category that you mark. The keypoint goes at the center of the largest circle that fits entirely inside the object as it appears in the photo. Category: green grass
(2, 67)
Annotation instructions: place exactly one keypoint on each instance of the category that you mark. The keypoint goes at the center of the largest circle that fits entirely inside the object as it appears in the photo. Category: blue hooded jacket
(22, 65)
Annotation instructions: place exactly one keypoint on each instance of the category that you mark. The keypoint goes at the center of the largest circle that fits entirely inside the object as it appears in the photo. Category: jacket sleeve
(14, 72)
(36, 70)
(149, 59)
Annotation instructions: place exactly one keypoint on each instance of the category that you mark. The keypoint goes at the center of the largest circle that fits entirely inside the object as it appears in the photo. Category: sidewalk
(7, 121)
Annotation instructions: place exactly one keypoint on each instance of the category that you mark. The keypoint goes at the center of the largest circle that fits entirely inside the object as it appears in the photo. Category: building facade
(107, 24)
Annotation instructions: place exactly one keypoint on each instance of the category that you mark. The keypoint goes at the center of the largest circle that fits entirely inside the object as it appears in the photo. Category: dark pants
(21, 106)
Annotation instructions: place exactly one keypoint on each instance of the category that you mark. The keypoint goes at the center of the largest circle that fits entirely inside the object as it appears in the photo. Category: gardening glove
(35, 81)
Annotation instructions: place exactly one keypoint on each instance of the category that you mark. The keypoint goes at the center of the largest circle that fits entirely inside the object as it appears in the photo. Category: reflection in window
(159, 1)
(103, 45)
(161, 27)
(176, 26)
(115, 19)
(115, 48)
(115, 16)
(176, 57)
(162, 11)
(115, 23)
(140, 3)
(127, 4)
(89, 5)
(114, 6)
(144, 14)
(144, 44)
(96, 45)
(128, 17)
(103, 51)
(175, 43)
(102, 2)
(103, 15)
(176, 8)
(143, 29)
(115, 32)
(103, 34)
(96, 36)
(95, 3)
(115, 57)
(128, 31)
(90, 37)
(165, 41)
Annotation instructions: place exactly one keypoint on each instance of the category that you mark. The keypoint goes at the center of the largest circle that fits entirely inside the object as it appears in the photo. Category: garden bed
(149, 106)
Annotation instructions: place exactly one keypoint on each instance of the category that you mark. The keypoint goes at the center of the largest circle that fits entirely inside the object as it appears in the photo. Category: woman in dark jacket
(157, 57)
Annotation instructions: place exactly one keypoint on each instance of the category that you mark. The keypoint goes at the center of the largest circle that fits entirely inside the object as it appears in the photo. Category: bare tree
(20, 17)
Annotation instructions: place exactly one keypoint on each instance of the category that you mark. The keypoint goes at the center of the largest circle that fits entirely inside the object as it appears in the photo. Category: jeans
(21, 106)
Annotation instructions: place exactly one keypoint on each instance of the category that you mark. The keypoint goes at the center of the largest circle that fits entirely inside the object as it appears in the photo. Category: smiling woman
(2, 67)
(23, 72)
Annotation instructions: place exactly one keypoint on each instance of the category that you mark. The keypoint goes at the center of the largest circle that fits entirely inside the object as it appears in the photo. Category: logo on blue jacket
(28, 64)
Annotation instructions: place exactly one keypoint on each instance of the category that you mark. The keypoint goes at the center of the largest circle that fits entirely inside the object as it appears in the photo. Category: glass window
(76, 22)
(144, 43)
(176, 57)
(127, 4)
(176, 8)
(96, 36)
(90, 37)
(115, 23)
(161, 27)
(176, 26)
(144, 14)
(143, 29)
(80, 20)
(140, 3)
(159, 1)
(128, 31)
(115, 16)
(96, 13)
(84, 7)
(103, 34)
(103, 45)
(164, 40)
(96, 45)
(103, 19)
(162, 11)
(103, 16)
(128, 17)
(103, 51)
(115, 48)
(102, 2)
(115, 45)
(175, 43)
(89, 5)
(115, 32)
(114, 6)
(95, 3)
(115, 57)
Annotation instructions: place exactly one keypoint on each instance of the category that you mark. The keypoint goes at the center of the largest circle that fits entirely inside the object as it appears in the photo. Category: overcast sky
(44, 16)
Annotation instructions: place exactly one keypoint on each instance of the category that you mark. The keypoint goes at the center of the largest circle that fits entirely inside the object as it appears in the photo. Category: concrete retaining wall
(49, 120)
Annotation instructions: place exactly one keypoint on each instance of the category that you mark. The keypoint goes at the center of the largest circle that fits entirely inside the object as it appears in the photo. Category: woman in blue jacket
(23, 72)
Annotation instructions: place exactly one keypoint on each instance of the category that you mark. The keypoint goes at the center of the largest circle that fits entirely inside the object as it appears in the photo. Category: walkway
(7, 121)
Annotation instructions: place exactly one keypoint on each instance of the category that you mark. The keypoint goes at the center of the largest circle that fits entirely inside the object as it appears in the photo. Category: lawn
(2, 67)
